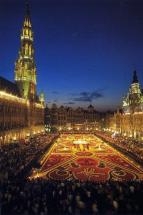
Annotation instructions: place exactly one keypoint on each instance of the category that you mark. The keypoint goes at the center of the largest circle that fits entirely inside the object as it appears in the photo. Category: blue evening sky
(85, 50)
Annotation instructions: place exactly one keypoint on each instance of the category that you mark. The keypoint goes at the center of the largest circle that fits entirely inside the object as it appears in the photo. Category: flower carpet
(94, 160)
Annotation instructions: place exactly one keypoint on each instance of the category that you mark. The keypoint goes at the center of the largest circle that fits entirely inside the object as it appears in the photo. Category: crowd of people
(128, 144)
(20, 195)
(16, 157)
(42, 197)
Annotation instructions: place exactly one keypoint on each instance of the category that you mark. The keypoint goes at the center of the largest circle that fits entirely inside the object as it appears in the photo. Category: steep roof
(9, 87)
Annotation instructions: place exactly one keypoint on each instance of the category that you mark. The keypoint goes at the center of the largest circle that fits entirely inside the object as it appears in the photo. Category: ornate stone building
(66, 117)
(133, 101)
(21, 109)
(129, 120)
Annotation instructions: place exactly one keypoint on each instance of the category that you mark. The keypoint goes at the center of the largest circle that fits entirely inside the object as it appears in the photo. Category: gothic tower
(25, 68)
(133, 102)
(135, 93)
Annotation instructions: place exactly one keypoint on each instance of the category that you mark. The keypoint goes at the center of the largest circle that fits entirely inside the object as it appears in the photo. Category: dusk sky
(85, 50)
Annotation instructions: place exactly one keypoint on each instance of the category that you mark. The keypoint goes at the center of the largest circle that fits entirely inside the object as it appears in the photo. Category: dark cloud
(88, 96)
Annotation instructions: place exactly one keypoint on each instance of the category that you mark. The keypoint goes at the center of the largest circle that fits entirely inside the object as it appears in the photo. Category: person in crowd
(20, 196)
(45, 197)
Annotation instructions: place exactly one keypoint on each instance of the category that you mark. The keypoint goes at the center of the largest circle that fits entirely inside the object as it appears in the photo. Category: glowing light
(65, 149)
(14, 138)
(9, 96)
(80, 142)
(38, 105)
(135, 113)
(60, 128)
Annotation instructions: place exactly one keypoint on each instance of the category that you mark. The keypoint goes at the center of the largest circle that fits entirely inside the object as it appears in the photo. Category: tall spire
(25, 69)
(135, 78)
(27, 8)
(27, 20)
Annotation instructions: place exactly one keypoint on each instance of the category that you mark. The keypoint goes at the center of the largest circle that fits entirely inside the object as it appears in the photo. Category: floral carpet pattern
(93, 160)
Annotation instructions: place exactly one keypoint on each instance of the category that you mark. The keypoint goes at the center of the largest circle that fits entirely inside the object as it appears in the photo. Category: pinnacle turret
(27, 20)
(25, 69)
(135, 78)
(27, 8)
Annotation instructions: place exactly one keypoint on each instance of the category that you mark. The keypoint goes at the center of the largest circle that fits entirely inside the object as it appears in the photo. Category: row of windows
(18, 116)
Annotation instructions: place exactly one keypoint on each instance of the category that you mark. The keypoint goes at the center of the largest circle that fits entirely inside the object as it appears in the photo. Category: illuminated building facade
(21, 110)
(129, 120)
(133, 102)
(66, 117)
